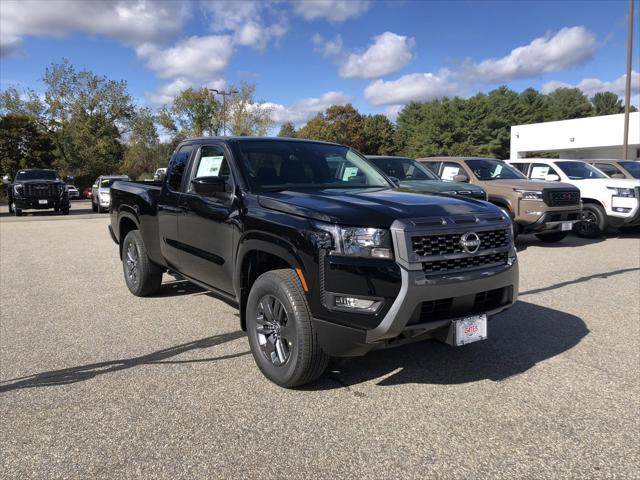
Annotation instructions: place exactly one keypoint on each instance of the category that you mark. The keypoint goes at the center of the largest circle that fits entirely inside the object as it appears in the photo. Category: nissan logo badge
(470, 242)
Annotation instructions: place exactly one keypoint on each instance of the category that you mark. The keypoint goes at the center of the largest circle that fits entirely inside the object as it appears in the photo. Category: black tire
(594, 221)
(65, 211)
(305, 361)
(143, 278)
(17, 212)
(552, 237)
(93, 206)
(10, 207)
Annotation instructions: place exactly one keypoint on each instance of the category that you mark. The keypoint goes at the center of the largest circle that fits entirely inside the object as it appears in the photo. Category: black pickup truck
(321, 255)
(38, 189)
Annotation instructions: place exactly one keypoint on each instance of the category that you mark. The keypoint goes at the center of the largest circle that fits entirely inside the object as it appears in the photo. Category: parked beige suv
(546, 208)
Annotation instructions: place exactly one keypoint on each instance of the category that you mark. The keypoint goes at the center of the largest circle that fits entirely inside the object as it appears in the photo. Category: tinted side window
(433, 166)
(539, 171)
(450, 170)
(607, 168)
(212, 162)
(176, 168)
(523, 167)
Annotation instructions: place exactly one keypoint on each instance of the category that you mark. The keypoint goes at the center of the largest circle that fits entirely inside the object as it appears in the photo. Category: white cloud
(330, 48)
(198, 58)
(392, 112)
(246, 21)
(569, 47)
(413, 87)
(591, 86)
(165, 94)
(131, 22)
(331, 10)
(304, 110)
(388, 53)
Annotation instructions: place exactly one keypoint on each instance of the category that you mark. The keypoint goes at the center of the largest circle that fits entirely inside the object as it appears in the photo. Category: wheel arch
(126, 222)
(257, 256)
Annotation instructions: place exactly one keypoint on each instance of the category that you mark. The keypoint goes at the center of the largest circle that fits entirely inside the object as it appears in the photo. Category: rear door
(208, 223)
(170, 209)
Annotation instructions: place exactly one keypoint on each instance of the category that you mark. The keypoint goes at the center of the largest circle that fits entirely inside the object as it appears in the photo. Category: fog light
(533, 213)
(621, 210)
(353, 302)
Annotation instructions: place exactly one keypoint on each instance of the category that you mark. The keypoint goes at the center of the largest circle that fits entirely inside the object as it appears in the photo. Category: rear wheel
(593, 223)
(143, 278)
(552, 236)
(283, 341)
(17, 212)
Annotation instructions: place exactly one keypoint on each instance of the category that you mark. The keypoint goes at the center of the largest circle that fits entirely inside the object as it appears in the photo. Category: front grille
(449, 243)
(44, 190)
(488, 300)
(464, 263)
(435, 310)
(561, 198)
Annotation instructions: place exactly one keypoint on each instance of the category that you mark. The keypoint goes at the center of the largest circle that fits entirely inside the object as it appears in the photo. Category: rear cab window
(177, 166)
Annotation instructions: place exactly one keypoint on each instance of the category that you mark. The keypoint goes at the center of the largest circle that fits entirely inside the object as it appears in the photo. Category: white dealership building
(592, 137)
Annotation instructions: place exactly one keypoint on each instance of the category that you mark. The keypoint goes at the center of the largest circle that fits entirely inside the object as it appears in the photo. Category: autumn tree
(287, 129)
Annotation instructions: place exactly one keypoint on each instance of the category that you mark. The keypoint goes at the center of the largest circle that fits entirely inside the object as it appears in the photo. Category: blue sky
(306, 55)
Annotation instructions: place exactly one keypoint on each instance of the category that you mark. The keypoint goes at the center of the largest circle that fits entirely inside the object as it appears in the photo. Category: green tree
(379, 135)
(607, 103)
(316, 129)
(23, 145)
(568, 103)
(287, 129)
(142, 154)
(246, 116)
(193, 113)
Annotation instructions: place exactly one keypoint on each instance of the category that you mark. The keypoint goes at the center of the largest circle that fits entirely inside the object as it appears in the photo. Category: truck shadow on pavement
(519, 339)
(81, 373)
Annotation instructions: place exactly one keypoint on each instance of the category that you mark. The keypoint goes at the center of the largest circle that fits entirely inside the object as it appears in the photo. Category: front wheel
(65, 211)
(283, 341)
(143, 278)
(593, 223)
(93, 206)
(552, 236)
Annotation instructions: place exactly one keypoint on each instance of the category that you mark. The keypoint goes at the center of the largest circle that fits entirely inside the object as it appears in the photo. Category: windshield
(403, 168)
(633, 167)
(36, 175)
(493, 170)
(107, 182)
(289, 165)
(579, 170)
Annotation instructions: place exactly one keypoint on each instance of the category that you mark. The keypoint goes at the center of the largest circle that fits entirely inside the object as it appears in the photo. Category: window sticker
(209, 166)
(448, 172)
(349, 172)
(540, 171)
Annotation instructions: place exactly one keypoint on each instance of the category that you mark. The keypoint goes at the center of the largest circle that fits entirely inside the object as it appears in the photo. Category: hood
(438, 186)
(608, 182)
(369, 207)
(524, 184)
(38, 181)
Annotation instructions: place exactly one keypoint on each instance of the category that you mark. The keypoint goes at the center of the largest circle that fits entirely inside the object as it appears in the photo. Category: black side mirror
(209, 186)
(395, 181)
(460, 178)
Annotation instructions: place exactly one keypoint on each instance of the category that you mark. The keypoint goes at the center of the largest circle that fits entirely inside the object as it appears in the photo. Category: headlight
(359, 241)
(530, 195)
(622, 192)
(17, 189)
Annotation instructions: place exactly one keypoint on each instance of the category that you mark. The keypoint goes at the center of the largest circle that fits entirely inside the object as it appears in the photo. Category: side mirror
(617, 175)
(395, 181)
(6, 180)
(552, 178)
(209, 186)
(460, 178)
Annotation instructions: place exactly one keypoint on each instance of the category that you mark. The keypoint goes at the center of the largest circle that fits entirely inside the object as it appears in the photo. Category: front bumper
(40, 203)
(420, 303)
(625, 211)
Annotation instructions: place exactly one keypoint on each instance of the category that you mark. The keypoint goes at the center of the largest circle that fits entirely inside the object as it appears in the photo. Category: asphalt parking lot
(96, 383)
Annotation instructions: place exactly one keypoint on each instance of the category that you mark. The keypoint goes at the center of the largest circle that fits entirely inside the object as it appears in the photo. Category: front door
(207, 225)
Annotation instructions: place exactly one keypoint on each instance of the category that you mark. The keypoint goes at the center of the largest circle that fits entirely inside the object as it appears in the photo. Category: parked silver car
(74, 194)
(101, 191)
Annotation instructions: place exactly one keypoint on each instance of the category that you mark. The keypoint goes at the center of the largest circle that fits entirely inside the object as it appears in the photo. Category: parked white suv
(606, 201)
(101, 192)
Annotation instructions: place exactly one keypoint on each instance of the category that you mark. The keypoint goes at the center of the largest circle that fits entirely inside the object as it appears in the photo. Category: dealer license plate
(42, 202)
(566, 226)
(470, 329)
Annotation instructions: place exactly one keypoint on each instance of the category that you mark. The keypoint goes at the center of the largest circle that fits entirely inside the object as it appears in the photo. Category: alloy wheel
(589, 223)
(132, 262)
(275, 333)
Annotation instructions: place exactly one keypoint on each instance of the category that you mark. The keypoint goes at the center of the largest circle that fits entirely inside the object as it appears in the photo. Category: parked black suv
(38, 189)
(322, 256)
